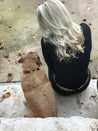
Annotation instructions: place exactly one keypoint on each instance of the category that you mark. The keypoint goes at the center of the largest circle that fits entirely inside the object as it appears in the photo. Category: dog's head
(30, 60)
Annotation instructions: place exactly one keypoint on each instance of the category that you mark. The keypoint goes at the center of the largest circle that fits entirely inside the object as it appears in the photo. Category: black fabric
(72, 73)
(66, 93)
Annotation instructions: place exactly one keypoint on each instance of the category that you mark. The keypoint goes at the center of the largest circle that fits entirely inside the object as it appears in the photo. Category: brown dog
(37, 88)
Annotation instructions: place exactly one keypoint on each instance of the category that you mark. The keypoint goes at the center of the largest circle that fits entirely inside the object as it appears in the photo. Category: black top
(73, 73)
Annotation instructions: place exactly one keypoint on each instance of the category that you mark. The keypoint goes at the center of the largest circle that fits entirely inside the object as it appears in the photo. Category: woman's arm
(45, 51)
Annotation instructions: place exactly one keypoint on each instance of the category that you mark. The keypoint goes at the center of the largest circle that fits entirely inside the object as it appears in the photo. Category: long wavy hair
(57, 25)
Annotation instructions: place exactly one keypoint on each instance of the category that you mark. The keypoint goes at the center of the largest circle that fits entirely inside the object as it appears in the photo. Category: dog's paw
(28, 115)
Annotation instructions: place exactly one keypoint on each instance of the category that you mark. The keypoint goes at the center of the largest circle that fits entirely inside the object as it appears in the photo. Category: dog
(37, 88)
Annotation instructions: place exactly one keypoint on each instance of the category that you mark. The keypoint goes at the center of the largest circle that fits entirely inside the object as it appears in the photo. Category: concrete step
(84, 104)
(49, 124)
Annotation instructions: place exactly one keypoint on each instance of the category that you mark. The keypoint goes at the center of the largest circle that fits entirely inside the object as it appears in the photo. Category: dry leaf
(93, 77)
(19, 6)
(10, 26)
(9, 74)
(93, 96)
(1, 47)
(90, 60)
(72, 12)
(88, 8)
(84, 19)
(14, 39)
(78, 101)
(6, 56)
(9, 60)
(3, 40)
(9, 79)
(19, 54)
(63, 2)
(6, 95)
(90, 24)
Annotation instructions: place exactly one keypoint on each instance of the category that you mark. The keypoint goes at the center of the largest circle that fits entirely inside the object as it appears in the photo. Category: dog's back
(39, 95)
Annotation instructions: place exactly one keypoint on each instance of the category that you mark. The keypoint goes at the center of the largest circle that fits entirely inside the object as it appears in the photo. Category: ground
(19, 32)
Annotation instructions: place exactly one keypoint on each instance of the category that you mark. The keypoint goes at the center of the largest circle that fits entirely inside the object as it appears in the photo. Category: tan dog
(37, 88)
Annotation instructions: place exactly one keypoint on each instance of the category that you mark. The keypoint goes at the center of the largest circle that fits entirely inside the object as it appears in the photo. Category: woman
(66, 48)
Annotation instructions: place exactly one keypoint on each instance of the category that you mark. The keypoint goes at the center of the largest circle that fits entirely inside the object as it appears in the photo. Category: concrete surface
(84, 104)
(48, 124)
(19, 32)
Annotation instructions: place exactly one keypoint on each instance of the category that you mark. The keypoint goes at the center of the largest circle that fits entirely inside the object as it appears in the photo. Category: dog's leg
(29, 114)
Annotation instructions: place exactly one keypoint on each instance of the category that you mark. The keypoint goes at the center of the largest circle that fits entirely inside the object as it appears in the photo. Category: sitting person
(66, 47)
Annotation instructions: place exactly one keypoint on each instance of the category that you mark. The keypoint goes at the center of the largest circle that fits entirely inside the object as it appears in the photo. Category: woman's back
(73, 72)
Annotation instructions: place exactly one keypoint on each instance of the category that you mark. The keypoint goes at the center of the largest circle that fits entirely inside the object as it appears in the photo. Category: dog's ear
(38, 61)
(20, 60)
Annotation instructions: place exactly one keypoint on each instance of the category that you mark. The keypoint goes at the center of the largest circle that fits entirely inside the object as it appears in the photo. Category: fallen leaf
(6, 56)
(63, 2)
(93, 77)
(19, 6)
(9, 60)
(90, 60)
(9, 79)
(6, 95)
(14, 39)
(72, 12)
(90, 24)
(19, 54)
(93, 96)
(84, 19)
(0, 43)
(9, 74)
(1, 47)
(88, 8)
(78, 101)
(10, 26)
(3, 40)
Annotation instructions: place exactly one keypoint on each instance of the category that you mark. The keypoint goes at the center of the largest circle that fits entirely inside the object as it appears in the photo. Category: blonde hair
(57, 25)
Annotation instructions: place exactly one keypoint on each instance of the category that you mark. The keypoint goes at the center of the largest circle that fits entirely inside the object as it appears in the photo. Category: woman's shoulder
(85, 27)
(46, 42)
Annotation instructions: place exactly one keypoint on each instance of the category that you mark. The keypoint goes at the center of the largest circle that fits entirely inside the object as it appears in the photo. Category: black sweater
(73, 73)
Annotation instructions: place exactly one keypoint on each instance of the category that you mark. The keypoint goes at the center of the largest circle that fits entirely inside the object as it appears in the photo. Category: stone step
(49, 124)
(84, 104)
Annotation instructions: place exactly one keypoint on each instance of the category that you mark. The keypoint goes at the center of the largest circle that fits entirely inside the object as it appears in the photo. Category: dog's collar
(32, 71)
